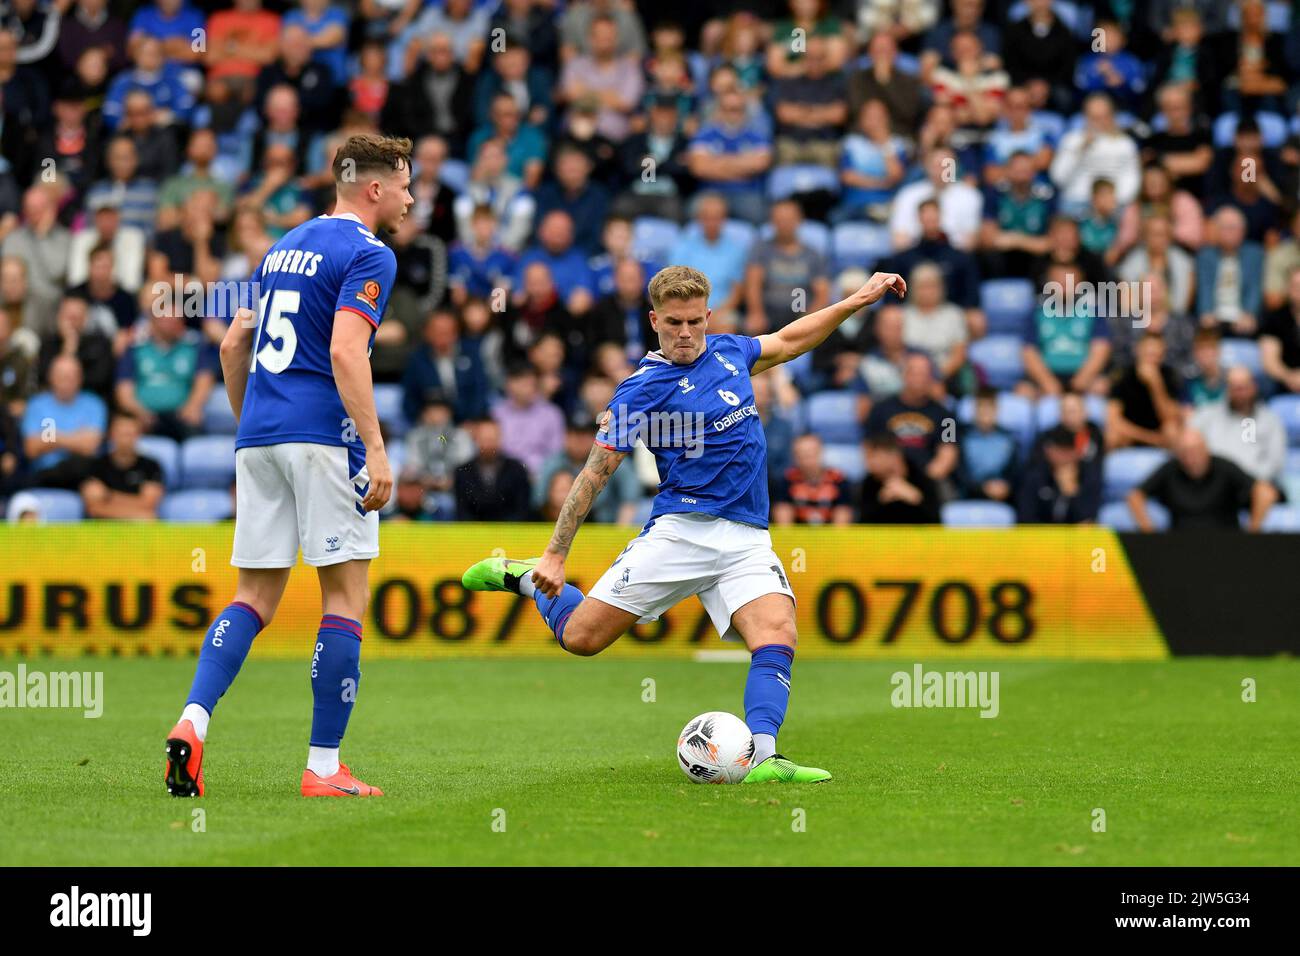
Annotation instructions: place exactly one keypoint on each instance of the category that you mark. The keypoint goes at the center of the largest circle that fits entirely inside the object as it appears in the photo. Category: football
(715, 747)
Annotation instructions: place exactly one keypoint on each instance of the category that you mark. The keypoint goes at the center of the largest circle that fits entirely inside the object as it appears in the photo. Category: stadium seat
(167, 453)
(396, 455)
(57, 505)
(977, 514)
(208, 461)
(653, 237)
(454, 174)
(1008, 304)
(999, 356)
(1284, 518)
(1116, 515)
(1126, 468)
(1048, 411)
(833, 416)
(388, 405)
(1241, 352)
(1015, 414)
(198, 505)
(860, 244)
(218, 419)
(1288, 409)
(907, 63)
(784, 181)
(814, 234)
(1075, 16)
(1277, 14)
(846, 459)
(1272, 129)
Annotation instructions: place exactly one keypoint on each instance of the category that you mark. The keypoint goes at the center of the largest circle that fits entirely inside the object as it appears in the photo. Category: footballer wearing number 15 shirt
(691, 403)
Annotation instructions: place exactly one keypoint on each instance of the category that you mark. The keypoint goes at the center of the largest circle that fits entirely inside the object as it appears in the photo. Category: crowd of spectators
(1094, 204)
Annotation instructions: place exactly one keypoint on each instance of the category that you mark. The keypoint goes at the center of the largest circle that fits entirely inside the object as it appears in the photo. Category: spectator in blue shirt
(174, 24)
(872, 165)
(988, 453)
(328, 27)
(731, 156)
(481, 266)
(567, 263)
(573, 192)
(708, 250)
(63, 427)
(1114, 71)
(525, 144)
(169, 85)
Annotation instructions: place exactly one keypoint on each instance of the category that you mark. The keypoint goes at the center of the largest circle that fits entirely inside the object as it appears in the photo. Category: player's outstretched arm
(236, 357)
(548, 576)
(350, 358)
(809, 331)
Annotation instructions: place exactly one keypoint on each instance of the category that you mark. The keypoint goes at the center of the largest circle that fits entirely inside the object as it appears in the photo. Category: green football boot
(497, 574)
(780, 770)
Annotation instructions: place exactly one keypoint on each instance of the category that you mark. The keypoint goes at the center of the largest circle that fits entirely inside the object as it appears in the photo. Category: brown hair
(368, 153)
(678, 282)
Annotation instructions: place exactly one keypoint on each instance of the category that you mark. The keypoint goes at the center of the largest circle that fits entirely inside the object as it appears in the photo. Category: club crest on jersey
(622, 582)
(727, 363)
(369, 293)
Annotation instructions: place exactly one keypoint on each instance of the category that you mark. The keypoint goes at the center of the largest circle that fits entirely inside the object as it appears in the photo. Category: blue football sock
(335, 674)
(224, 649)
(767, 694)
(557, 610)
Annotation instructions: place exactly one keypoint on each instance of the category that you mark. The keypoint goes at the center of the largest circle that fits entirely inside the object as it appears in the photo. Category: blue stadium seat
(1008, 304)
(1052, 124)
(1276, 12)
(859, 244)
(1117, 515)
(1000, 358)
(454, 174)
(167, 453)
(1282, 518)
(833, 416)
(785, 181)
(388, 405)
(1288, 409)
(1272, 129)
(218, 419)
(198, 505)
(653, 237)
(1048, 410)
(1015, 414)
(847, 459)
(1241, 352)
(57, 505)
(1126, 468)
(977, 514)
(815, 235)
(396, 455)
(208, 461)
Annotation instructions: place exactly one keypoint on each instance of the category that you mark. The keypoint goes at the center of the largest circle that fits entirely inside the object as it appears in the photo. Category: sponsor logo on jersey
(739, 414)
(727, 363)
(369, 293)
(685, 385)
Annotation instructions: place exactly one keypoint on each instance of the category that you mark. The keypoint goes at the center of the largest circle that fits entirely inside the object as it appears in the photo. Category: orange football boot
(341, 784)
(184, 761)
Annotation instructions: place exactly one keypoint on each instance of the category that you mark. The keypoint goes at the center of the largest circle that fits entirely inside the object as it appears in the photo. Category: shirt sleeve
(750, 348)
(625, 420)
(368, 283)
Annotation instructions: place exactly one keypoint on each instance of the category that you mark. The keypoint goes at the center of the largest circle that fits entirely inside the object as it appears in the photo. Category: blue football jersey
(702, 425)
(325, 265)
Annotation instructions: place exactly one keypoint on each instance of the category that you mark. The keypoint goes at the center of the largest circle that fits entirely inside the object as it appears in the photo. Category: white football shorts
(300, 494)
(728, 564)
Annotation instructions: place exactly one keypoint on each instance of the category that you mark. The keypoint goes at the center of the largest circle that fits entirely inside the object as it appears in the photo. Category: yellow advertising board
(863, 592)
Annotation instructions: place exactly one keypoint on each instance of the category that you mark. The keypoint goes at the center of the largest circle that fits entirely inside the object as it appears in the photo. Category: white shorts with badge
(728, 564)
(301, 494)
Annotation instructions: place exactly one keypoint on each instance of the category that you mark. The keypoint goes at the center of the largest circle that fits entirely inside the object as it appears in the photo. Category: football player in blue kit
(692, 404)
(311, 470)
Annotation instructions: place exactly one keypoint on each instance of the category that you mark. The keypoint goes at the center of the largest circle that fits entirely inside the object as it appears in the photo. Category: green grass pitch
(584, 769)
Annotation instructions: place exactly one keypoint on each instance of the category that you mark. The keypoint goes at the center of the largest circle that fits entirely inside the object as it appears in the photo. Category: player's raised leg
(768, 627)
(225, 646)
(335, 679)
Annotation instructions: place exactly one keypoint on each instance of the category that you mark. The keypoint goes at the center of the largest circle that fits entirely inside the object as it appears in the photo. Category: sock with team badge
(767, 695)
(224, 648)
(335, 674)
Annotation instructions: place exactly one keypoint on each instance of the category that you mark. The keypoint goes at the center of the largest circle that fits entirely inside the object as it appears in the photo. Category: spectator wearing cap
(62, 427)
(1143, 407)
(1057, 488)
(785, 277)
(1201, 491)
(1244, 430)
(122, 483)
(1097, 150)
(136, 194)
(42, 243)
(809, 492)
(125, 243)
(896, 490)
(960, 204)
(492, 486)
(1230, 277)
(617, 504)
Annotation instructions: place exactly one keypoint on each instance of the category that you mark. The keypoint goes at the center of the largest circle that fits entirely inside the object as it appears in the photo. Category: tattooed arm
(548, 576)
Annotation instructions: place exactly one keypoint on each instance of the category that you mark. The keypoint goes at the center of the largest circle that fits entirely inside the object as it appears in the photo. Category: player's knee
(780, 630)
(582, 640)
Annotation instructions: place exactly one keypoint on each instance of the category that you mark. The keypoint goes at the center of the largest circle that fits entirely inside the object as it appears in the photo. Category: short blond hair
(678, 282)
